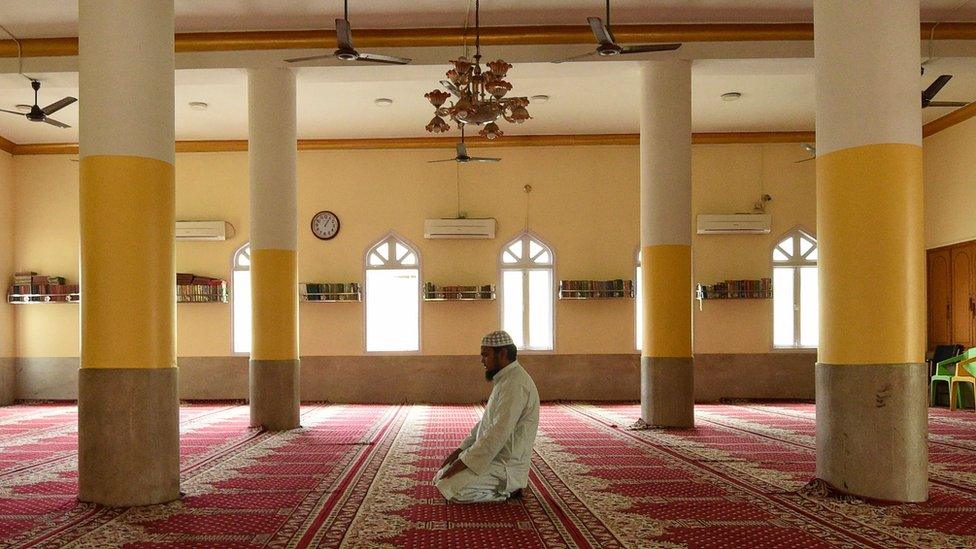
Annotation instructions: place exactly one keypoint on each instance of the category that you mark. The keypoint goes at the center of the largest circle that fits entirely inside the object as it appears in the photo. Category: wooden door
(961, 293)
(939, 284)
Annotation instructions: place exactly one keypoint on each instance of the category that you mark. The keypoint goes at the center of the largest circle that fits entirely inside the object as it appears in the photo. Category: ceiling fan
(810, 149)
(37, 114)
(608, 45)
(346, 52)
(462, 154)
(930, 92)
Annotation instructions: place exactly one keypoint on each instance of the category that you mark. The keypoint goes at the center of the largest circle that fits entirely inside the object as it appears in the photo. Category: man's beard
(490, 374)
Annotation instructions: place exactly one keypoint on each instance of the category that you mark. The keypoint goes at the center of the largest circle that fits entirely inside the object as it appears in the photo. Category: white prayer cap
(498, 338)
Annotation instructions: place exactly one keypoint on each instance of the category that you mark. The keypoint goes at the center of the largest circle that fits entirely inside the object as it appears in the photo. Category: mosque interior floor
(358, 476)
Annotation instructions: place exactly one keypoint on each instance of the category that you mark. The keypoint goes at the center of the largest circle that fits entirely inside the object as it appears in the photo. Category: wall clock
(325, 225)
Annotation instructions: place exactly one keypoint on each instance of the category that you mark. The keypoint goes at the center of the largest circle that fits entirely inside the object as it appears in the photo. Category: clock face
(325, 225)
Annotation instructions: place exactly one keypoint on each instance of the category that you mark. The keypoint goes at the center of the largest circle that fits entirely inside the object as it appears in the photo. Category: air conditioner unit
(734, 224)
(459, 228)
(200, 230)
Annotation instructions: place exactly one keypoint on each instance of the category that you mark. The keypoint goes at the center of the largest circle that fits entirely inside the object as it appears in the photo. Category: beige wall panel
(7, 266)
(728, 179)
(584, 204)
(949, 161)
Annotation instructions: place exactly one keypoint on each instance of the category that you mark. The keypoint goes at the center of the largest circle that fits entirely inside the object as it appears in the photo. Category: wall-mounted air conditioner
(200, 230)
(734, 224)
(459, 228)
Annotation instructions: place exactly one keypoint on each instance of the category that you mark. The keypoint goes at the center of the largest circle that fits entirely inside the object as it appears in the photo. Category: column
(871, 380)
(128, 409)
(667, 376)
(272, 155)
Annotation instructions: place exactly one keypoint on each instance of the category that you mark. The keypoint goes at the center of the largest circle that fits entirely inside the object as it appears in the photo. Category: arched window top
(526, 250)
(795, 248)
(392, 252)
(242, 258)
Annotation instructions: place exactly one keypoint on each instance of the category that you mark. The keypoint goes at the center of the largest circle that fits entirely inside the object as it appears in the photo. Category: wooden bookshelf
(735, 289)
(596, 289)
(482, 292)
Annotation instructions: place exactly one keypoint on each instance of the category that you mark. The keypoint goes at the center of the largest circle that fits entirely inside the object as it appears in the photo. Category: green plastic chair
(944, 372)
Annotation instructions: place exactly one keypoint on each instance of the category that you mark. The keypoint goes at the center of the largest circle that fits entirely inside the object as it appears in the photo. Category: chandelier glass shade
(479, 95)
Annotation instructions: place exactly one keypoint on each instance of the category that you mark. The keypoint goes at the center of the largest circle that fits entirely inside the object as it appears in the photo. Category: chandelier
(479, 95)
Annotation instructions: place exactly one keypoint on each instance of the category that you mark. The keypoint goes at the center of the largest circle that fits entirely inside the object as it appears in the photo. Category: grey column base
(872, 429)
(128, 436)
(274, 394)
(668, 392)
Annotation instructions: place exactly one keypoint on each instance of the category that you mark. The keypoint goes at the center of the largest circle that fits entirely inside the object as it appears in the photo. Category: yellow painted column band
(872, 261)
(274, 302)
(666, 272)
(128, 271)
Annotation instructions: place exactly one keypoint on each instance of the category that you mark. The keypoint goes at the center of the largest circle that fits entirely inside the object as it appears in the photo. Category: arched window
(241, 298)
(639, 304)
(795, 292)
(392, 296)
(526, 265)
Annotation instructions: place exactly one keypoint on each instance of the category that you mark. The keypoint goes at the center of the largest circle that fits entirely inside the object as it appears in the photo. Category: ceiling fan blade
(451, 88)
(54, 122)
(483, 159)
(343, 34)
(935, 87)
(58, 105)
(575, 57)
(310, 58)
(600, 31)
(805, 160)
(649, 47)
(946, 104)
(12, 112)
(377, 58)
(445, 160)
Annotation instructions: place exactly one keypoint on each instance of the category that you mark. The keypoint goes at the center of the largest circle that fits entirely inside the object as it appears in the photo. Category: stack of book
(448, 292)
(737, 289)
(330, 291)
(28, 286)
(582, 289)
(191, 288)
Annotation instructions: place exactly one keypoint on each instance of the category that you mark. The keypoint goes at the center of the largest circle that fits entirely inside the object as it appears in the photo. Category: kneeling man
(492, 463)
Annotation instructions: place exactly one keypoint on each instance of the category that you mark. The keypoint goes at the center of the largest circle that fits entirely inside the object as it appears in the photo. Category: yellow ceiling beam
(527, 35)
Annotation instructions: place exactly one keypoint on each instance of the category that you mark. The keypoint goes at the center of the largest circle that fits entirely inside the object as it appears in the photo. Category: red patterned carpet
(357, 476)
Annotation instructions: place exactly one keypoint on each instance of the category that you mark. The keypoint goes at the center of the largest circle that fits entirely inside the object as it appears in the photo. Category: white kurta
(498, 450)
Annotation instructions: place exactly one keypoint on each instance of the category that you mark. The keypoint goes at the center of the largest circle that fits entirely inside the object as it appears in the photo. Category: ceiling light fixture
(22, 107)
(480, 96)
(539, 98)
(383, 102)
(198, 105)
(731, 96)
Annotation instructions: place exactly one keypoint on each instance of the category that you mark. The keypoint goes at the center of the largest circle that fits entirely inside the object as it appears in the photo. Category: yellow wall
(6, 250)
(584, 204)
(949, 164)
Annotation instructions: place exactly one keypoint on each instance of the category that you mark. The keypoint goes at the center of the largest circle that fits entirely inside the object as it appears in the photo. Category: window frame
(794, 261)
(393, 236)
(525, 265)
(242, 250)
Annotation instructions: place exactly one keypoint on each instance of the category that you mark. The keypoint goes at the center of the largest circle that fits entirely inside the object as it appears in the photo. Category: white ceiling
(586, 98)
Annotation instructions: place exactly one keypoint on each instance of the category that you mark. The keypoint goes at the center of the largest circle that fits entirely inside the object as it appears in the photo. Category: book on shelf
(330, 291)
(191, 288)
(455, 291)
(30, 286)
(737, 289)
(596, 288)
